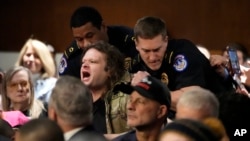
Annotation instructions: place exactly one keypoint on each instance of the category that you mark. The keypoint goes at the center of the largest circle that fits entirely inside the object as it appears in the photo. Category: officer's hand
(219, 63)
(242, 91)
(137, 77)
(248, 78)
(245, 77)
(218, 60)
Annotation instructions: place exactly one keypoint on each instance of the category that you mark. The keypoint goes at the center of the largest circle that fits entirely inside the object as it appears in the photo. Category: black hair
(6, 129)
(42, 129)
(196, 130)
(86, 14)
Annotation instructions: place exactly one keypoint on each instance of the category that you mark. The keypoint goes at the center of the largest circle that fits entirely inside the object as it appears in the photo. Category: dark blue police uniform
(119, 36)
(184, 65)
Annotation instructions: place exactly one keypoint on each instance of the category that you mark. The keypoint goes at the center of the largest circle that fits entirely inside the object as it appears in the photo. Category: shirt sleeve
(190, 67)
(70, 63)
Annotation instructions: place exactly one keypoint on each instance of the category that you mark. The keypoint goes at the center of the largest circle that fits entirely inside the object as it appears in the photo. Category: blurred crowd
(123, 84)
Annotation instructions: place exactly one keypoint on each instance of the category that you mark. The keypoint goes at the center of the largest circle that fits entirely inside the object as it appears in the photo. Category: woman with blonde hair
(36, 56)
(18, 93)
(1, 80)
(217, 128)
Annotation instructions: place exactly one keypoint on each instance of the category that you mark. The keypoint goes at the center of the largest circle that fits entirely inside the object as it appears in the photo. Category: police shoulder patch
(62, 65)
(180, 63)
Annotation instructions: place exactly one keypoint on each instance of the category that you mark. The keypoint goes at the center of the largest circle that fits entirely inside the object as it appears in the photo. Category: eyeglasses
(15, 85)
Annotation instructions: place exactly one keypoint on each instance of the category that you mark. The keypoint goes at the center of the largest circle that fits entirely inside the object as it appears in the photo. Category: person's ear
(136, 43)
(103, 27)
(162, 111)
(52, 114)
(165, 38)
(17, 136)
(109, 73)
(1, 77)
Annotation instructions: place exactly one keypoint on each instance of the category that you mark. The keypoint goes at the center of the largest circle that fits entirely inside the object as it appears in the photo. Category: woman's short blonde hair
(49, 67)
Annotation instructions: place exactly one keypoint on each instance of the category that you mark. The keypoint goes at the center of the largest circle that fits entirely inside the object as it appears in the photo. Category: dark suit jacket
(129, 136)
(2, 138)
(87, 134)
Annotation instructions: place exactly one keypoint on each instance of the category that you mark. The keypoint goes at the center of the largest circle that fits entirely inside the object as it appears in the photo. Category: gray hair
(201, 99)
(72, 101)
(35, 107)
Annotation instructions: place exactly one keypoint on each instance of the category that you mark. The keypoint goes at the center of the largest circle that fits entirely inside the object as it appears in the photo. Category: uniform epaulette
(168, 57)
(129, 38)
(71, 50)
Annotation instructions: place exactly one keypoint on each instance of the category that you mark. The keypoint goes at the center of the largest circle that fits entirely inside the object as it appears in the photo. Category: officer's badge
(164, 78)
(180, 63)
(127, 61)
(63, 65)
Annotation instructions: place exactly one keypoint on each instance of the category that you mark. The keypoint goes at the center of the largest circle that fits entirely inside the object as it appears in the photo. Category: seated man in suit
(70, 106)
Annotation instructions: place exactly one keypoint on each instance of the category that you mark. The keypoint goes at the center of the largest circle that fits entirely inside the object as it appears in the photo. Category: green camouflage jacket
(116, 117)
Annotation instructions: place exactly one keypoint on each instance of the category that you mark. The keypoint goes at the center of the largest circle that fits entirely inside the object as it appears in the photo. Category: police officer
(178, 63)
(88, 27)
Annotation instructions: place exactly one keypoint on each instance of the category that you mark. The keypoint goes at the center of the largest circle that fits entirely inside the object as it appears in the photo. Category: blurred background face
(93, 73)
(152, 51)
(18, 89)
(247, 63)
(88, 34)
(32, 61)
(174, 136)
